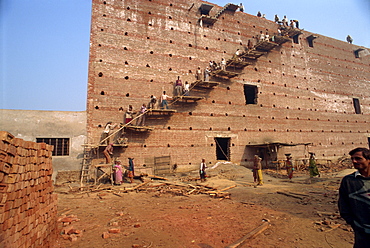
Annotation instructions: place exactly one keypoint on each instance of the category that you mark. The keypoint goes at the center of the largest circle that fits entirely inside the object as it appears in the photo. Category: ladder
(86, 162)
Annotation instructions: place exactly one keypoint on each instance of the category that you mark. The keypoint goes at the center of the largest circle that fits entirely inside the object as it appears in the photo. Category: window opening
(356, 104)
(250, 93)
(223, 148)
(310, 40)
(204, 9)
(296, 39)
(359, 52)
(368, 141)
(61, 145)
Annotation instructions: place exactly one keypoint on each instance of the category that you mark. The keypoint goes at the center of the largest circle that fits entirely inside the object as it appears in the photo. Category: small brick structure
(28, 207)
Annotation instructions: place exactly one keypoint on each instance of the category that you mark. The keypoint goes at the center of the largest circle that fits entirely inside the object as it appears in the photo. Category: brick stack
(28, 207)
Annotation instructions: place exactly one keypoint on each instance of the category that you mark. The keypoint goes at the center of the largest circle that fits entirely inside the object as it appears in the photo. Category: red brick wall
(305, 93)
(28, 206)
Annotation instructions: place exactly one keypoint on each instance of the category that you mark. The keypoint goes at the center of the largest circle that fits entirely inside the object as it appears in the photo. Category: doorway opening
(223, 148)
(250, 93)
(356, 104)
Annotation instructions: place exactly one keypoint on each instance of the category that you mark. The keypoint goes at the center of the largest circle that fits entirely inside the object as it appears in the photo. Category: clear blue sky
(44, 44)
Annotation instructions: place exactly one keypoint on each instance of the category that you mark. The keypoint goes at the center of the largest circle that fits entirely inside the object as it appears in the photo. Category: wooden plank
(251, 234)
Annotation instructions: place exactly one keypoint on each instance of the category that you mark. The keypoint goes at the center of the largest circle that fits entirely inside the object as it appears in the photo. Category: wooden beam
(251, 234)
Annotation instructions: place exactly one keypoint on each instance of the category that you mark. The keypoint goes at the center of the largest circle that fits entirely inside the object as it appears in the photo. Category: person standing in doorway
(354, 197)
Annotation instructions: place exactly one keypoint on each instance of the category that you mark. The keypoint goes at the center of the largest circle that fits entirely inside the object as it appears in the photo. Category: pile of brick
(28, 206)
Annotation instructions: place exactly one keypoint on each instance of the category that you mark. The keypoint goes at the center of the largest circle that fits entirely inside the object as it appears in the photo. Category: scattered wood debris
(159, 188)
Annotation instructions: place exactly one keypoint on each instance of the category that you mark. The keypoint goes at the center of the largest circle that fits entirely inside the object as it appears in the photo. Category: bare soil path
(301, 214)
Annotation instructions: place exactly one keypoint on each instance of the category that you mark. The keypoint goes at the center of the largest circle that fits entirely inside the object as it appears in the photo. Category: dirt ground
(300, 214)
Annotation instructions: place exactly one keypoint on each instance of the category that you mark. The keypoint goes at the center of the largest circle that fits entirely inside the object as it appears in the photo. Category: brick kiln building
(295, 93)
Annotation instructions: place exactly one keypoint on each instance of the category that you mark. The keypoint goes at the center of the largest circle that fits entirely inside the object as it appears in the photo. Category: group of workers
(119, 171)
(257, 168)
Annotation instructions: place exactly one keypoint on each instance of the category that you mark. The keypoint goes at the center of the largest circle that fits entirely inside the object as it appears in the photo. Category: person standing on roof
(277, 19)
(241, 7)
(285, 21)
(296, 23)
(349, 39)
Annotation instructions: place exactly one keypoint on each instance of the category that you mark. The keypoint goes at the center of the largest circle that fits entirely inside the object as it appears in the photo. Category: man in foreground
(354, 197)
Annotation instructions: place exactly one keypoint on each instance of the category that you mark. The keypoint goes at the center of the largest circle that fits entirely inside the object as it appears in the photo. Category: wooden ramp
(206, 19)
(203, 84)
(265, 45)
(253, 54)
(116, 145)
(237, 63)
(225, 74)
(290, 32)
(281, 39)
(139, 128)
(187, 98)
(152, 112)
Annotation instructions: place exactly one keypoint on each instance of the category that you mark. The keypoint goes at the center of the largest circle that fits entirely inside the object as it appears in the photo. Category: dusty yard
(300, 214)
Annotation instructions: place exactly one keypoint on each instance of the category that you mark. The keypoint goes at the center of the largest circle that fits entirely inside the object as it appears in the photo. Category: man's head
(360, 158)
